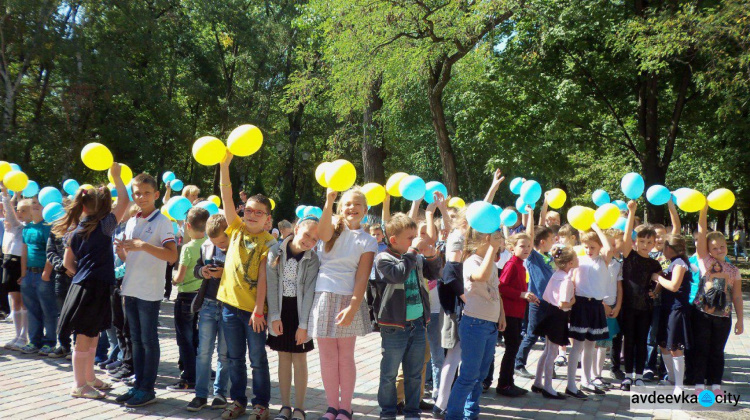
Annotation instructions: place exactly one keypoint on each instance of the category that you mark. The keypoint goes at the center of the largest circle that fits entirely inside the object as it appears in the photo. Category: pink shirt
(560, 288)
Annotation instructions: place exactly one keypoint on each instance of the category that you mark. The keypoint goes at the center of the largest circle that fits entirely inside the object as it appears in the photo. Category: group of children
(438, 291)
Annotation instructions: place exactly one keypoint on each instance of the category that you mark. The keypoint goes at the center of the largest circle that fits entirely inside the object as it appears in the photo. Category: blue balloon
(600, 197)
(113, 192)
(431, 188)
(32, 189)
(483, 217)
(364, 219)
(632, 185)
(515, 185)
(621, 224)
(521, 205)
(658, 195)
(318, 212)
(50, 195)
(412, 188)
(176, 185)
(531, 191)
(508, 217)
(300, 211)
(175, 228)
(53, 212)
(15, 167)
(210, 206)
(623, 206)
(167, 177)
(312, 211)
(178, 207)
(71, 186)
(129, 189)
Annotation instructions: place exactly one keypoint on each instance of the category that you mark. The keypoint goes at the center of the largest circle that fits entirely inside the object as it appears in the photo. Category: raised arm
(10, 210)
(167, 194)
(674, 217)
(606, 251)
(530, 226)
(543, 211)
(326, 227)
(429, 217)
(386, 216)
(414, 210)
(627, 236)
(488, 263)
(497, 179)
(701, 247)
(225, 185)
(123, 201)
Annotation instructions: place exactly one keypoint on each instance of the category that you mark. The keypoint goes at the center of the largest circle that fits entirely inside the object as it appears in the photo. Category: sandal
(330, 410)
(86, 391)
(344, 413)
(282, 415)
(298, 417)
(561, 360)
(102, 386)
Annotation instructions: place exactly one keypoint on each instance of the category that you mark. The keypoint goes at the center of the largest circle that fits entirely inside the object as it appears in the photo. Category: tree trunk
(447, 158)
(373, 152)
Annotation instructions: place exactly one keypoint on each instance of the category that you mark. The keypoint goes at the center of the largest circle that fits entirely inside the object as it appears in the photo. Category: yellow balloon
(4, 168)
(556, 198)
(97, 156)
(392, 184)
(581, 217)
(164, 211)
(245, 140)
(320, 174)
(86, 187)
(457, 202)
(209, 151)
(606, 216)
(691, 201)
(340, 175)
(15, 181)
(374, 192)
(126, 174)
(214, 199)
(273, 203)
(721, 199)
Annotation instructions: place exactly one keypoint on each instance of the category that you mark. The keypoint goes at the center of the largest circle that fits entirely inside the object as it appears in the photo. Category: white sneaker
(20, 342)
(10, 345)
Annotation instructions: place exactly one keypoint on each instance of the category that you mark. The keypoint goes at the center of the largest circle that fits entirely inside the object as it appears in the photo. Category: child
(338, 316)
(148, 245)
(483, 316)
(588, 322)
(612, 304)
(123, 370)
(243, 292)
(186, 321)
(637, 269)
(559, 297)
(286, 229)
(12, 250)
(291, 275)
(210, 267)
(403, 313)
(719, 290)
(88, 255)
(62, 278)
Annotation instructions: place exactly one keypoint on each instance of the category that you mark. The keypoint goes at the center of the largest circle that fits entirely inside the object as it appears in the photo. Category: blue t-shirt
(539, 273)
(35, 237)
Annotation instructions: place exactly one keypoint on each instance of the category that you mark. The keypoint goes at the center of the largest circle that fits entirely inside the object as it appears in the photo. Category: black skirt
(87, 308)
(553, 324)
(286, 342)
(588, 320)
(674, 329)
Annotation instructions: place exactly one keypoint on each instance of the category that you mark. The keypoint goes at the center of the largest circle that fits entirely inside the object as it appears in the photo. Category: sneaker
(126, 396)
(122, 373)
(437, 413)
(10, 345)
(577, 395)
(219, 402)
(46, 350)
(197, 404)
(19, 344)
(648, 376)
(140, 399)
(58, 352)
(233, 411)
(114, 365)
(511, 391)
(625, 385)
(103, 365)
(182, 386)
(129, 381)
(639, 382)
(617, 374)
(29, 349)
(522, 372)
(259, 413)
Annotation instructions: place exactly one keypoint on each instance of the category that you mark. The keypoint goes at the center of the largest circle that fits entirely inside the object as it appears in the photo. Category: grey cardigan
(307, 276)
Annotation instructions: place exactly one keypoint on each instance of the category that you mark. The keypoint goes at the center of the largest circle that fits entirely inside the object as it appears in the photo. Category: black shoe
(437, 413)
(197, 404)
(219, 402)
(425, 405)
(213, 374)
(648, 376)
(625, 385)
(103, 365)
(522, 372)
(555, 396)
(400, 409)
(593, 390)
(182, 386)
(485, 387)
(511, 391)
(122, 373)
(578, 395)
(617, 374)
(536, 390)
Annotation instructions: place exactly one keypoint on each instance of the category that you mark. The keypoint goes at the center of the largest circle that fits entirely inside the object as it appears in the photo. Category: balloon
(320, 174)
(178, 207)
(211, 207)
(113, 193)
(658, 195)
(457, 203)
(300, 211)
(581, 218)
(600, 198)
(623, 206)
(431, 188)
(209, 150)
(4, 168)
(374, 193)
(129, 189)
(521, 205)
(392, 184)
(32, 189)
(245, 140)
(412, 188)
(214, 199)
(15, 181)
(70, 186)
(556, 198)
(97, 156)
(531, 191)
(312, 211)
(721, 199)
(632, 185)
(50, 195)
(483, 217)
(167, 177)
(691, 201)
(53, 212)
(126, 174)
(515, 185)
(678, 193)
(606, 216)
(164, 211)
(273, 203)
(340, 175)
(508, 217)
(86, 187)
(176, 185)
(15, 167)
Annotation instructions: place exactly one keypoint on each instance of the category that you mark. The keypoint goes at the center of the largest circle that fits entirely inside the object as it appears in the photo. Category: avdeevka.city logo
(706, 398)
(664, 397)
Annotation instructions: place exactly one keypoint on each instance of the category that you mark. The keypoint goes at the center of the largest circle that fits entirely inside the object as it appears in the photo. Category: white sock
(667, 357)
(18, 323)
(588, 362)
(714, 387)
(679, 372)
(601, 354)
(575, 356)
(24, 325)
(699, 387)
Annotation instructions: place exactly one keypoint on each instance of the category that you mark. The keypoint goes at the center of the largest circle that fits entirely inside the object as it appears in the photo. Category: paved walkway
(37, 388)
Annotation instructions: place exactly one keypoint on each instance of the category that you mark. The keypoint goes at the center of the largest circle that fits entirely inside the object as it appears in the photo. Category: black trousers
(710, 335)
(617, 345)
(121, 327)
(512, 335)
(635, 325)
(168, 281)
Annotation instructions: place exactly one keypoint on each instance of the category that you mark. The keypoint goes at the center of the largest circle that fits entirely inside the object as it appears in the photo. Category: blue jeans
(142, 317)
(529, 339)
(437, 353)
(186, 331)
(478, 338)
(39, 299)
(401, 347)
(240, 337)
(209, 327)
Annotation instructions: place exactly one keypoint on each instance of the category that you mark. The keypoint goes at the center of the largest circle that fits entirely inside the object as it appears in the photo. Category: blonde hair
(563, 255)
(26, 202)
(338, 225)
(472, 240)
(190, 190)
(216, 225)
(399, 222)
(591, 236)
(515, 238)
(715, 236)
(567, 231)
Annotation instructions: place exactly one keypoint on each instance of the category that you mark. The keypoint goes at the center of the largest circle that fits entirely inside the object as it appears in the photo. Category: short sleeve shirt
(189, 256)
(636, 280)
(716, 276)
(35, 237)
(144, 273)
(560, 288)
(94, 253)
(339, 265)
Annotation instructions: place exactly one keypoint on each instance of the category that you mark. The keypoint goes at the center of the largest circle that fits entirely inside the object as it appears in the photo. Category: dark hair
(197, 217)
(554, 228)
(145, 179)
(645, 231)
(541, 233)
(97, 199)
(398, 223)
(261, 199)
